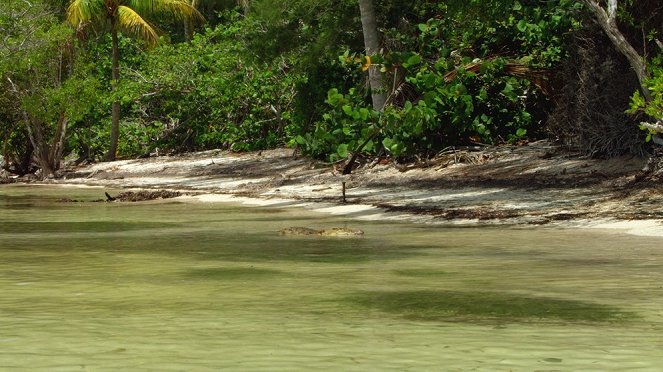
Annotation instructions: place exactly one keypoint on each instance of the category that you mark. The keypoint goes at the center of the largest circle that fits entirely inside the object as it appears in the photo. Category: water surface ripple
(202, 287)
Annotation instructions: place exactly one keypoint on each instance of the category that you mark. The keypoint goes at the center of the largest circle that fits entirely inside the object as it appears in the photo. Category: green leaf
(483, 94)
(413, 60)
(522, 25)
(396, 149)
(342, 150)
(387, 142)
(521, 132)
(370, 146)
(517, 6)
(363, 113)
(348, 110)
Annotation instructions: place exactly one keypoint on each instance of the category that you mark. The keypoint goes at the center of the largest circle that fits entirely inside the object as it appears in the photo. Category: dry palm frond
(537, 77)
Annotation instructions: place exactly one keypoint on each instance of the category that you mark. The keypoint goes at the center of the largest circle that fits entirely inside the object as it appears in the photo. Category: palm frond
(178, 9)
(130, 22)
(538, 77)
(83, 11)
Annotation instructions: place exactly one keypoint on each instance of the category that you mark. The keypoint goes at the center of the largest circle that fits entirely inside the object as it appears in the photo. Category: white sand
(516, 186)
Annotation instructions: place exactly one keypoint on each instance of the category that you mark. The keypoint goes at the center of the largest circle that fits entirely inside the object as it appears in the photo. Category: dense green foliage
(292, 73)
(43, 85)
(653, 109)
(215, 100)
(451, 74)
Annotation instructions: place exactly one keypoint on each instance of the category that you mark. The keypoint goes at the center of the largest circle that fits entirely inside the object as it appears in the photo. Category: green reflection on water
(232, 273)
(315, 249)
(422, 273)
(19, 227)
(473, 306)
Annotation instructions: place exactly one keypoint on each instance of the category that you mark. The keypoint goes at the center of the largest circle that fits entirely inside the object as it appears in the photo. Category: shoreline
(526, 186)
(367, 212)
(652, 228)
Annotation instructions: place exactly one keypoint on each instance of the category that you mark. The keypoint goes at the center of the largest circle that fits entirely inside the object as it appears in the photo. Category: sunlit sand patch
(636, 227)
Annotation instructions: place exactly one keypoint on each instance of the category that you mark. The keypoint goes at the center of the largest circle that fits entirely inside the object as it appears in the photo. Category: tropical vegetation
(91, 80)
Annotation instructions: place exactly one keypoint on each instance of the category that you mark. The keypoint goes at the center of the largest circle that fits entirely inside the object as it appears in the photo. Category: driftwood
(135, 196)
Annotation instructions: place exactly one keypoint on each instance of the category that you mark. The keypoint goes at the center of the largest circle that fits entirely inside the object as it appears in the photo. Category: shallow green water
(193, 286)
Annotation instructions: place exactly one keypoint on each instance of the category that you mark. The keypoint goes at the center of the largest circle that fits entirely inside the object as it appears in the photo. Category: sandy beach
(533, 185)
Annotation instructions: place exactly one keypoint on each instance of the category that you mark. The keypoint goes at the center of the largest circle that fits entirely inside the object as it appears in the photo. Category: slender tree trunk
(188, 23)
(48, 157)
(115, 115)
(188, 32)
(608, 22)
(57, 147)
(41, 151)
(372, 45)
(35, 135)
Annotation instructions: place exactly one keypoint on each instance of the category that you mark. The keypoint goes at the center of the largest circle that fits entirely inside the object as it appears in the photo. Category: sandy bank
(532, 185)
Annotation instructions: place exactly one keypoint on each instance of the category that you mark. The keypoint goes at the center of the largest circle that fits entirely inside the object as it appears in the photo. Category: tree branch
(656, 127)
(608, 22)
(612, 11)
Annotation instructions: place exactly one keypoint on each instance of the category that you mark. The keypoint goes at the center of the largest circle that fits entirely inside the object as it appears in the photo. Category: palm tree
(124, 16)
(372, 45)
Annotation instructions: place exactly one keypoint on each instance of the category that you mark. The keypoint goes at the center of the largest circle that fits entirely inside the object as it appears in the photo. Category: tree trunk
(41, 151)
(115, 115)
(48, 157)
(57, 147)
(188, 23)
(35, 135)
(608, 22)
(188, 30)
(372, 45)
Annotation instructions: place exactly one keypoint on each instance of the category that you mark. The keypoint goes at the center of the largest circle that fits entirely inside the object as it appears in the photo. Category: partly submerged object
(334, 231)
